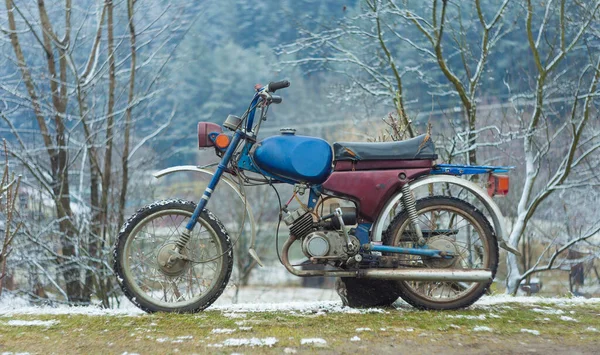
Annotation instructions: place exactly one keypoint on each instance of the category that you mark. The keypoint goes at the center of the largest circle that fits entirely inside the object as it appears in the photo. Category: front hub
(170, 261)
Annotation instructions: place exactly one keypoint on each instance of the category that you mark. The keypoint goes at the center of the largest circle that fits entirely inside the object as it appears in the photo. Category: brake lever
(266, 97)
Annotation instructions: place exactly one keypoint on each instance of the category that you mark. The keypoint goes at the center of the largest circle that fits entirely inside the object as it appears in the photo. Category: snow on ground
(293, 300)
(270, 341)
(481, 328)
(530, 331)
(313, 341)
(39, 323)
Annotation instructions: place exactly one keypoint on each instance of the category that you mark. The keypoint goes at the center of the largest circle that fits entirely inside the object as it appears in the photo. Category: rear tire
(482, 252)
(188, 286)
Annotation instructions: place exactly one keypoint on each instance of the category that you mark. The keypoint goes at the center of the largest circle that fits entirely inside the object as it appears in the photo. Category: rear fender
(478, 192)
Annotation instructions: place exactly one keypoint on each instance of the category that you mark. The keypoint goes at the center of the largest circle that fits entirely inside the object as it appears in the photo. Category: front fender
(233, 185)
(481, 195)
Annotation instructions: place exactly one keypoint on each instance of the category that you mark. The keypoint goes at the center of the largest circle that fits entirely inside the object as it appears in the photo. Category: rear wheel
(146, 243)
(455, 226)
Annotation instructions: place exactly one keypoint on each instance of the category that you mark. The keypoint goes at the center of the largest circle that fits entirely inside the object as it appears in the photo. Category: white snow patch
(319, 308)
(252, 342)
(222, 331)
(161, 340)
(481, 328)
(245, 329)
(234, 315)
(504, 299)
(315, 341)
(355, 338)
(10, 305)
(530, 331)
(185, 337)
(548, 311)
(568, 319)
(363, 329)
(27, 323)
(289, 351)
(591, 329)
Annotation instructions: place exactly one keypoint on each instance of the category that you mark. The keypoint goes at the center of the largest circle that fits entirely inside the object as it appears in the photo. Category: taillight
(498, 185)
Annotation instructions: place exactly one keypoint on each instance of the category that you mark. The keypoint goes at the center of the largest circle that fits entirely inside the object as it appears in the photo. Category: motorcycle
(438, 252)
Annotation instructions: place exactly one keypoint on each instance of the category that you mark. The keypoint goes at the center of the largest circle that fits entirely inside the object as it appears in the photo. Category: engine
(320, 240)
(325, 243)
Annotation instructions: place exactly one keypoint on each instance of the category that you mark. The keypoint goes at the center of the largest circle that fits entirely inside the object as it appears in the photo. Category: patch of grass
(418, 330)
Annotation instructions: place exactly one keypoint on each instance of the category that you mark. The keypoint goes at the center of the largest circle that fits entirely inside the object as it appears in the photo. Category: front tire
(473, 243)
(186, 286)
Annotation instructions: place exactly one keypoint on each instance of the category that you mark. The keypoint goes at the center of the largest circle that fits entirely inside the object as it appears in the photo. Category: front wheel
(454, 226)
(186, 285)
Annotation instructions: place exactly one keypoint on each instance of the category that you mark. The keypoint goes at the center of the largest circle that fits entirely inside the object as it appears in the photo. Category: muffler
(412, 274)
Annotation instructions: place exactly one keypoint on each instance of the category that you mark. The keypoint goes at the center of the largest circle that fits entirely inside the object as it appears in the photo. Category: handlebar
(277, 85)
(276, 99)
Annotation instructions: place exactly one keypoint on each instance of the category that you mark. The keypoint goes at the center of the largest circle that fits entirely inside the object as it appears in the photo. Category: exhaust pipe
(427, 275)
(408, 274)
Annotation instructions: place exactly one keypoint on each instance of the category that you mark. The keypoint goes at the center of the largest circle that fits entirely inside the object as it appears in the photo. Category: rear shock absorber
(408, 199)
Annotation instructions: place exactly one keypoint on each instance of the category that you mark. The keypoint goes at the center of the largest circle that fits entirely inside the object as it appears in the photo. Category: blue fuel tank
(297, 158)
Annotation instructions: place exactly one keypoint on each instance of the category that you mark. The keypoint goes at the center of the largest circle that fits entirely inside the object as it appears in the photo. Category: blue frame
(362, 232)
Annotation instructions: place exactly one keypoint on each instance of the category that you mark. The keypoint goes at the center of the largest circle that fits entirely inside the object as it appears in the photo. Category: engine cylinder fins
(302, 226)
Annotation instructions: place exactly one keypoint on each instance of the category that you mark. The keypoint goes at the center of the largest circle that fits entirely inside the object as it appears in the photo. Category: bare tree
(85, 119)
(538, 140)
(9, 191)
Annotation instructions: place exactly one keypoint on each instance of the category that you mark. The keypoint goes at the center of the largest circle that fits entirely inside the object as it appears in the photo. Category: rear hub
(447, 247)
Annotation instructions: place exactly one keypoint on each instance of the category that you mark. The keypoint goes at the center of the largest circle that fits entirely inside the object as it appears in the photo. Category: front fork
(184, 238)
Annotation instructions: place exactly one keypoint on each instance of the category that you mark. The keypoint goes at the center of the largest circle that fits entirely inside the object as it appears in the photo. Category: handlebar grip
(274, 86)
(276, 99)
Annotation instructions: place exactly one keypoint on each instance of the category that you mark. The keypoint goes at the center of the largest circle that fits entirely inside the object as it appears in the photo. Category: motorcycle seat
(417, 148)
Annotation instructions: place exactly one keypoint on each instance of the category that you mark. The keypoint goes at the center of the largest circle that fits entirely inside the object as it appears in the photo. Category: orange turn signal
(222, 141)
(498, 185)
